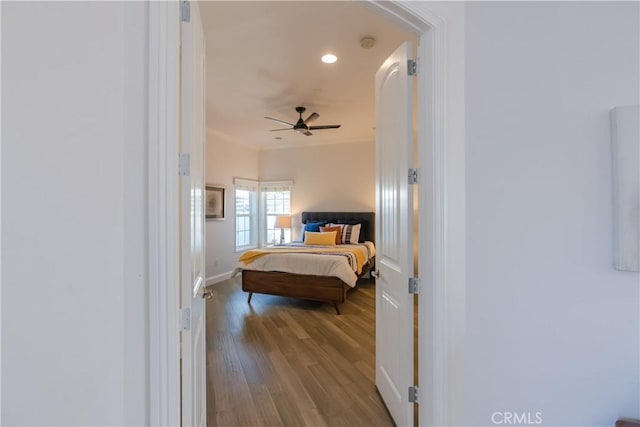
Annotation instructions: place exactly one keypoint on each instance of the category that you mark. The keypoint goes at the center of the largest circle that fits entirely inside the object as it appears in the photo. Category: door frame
(441, 235)
(441, 195)
(163, 213)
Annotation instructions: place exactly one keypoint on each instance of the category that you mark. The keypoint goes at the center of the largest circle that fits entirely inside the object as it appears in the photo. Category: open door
(394, 235)
(192, 351)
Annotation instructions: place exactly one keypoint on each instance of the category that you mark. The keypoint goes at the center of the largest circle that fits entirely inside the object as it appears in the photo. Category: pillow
(333, 224)
(338, 231)
(302, 232)
(350, 232)
(318, 238)
(311, 226)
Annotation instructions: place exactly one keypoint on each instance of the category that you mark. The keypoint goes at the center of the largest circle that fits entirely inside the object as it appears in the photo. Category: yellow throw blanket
(254, 254)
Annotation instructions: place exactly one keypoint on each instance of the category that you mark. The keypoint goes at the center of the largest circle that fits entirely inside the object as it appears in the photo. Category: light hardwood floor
(287, 362)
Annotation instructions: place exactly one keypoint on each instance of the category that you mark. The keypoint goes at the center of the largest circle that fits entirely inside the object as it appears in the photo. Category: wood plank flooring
(288, 362)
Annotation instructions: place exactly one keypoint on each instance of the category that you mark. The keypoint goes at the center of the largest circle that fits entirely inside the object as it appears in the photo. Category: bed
(317, 287)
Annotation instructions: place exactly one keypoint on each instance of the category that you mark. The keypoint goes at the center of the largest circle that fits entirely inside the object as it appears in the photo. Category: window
(276, 200)
(257, 221)
(246, 202)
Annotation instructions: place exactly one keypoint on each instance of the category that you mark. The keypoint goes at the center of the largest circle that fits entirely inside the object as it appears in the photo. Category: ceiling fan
(302, 126)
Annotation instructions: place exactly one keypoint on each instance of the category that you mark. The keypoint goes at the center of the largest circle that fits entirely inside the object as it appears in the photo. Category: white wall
(336, 177)
(551, 326)
(224, 161)
(73, 220)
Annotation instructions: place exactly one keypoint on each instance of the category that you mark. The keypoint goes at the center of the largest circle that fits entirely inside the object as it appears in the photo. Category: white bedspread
(312, 264)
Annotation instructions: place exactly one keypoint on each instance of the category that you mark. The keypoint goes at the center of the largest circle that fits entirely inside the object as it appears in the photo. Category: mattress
(333, 261)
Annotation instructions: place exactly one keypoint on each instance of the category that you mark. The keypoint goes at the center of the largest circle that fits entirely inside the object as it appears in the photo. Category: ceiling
(263, 59)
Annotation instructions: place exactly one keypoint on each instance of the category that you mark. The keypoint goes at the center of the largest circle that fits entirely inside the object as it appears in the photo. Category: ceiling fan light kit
(302, 126)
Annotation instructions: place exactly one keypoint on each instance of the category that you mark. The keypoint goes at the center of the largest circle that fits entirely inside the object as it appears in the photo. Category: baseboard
(218, 278)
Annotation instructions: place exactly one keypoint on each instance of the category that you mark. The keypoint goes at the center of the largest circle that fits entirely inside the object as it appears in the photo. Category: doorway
(252, 19)
(431, 30)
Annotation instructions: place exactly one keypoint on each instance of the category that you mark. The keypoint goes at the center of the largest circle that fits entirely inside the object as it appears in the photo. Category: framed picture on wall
(214, 202)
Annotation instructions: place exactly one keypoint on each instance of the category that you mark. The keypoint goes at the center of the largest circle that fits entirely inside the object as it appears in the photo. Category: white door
(394, 235)
(193, 362)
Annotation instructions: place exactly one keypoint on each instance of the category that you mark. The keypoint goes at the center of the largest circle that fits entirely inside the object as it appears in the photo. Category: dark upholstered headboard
(367, 219)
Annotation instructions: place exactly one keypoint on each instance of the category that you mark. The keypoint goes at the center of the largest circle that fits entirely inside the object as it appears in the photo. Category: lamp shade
(283, 221)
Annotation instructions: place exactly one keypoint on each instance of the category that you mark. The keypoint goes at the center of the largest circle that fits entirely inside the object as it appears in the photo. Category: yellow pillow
(338, 231)
(313, 238)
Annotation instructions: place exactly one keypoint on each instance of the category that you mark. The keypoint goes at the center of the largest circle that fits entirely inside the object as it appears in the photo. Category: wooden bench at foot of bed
(315, 288)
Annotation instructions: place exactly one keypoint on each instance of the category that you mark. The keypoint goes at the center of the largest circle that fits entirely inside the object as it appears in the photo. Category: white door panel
(394, 235)
(193, 364)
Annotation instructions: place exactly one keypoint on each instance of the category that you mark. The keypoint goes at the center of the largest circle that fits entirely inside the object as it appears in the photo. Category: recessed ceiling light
(329, 58)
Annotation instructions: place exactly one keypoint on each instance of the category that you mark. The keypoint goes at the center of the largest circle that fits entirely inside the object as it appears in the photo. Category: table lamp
(282, 222)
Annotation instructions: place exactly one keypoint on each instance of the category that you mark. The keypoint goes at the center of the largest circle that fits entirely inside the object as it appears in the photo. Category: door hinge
(413, 176)
(412, 67)
(413, 394)
(184, 165)
(185, 319)
(185, 11)
(414, 285)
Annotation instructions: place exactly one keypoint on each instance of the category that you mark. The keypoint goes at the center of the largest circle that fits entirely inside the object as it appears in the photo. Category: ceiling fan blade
(279, 121)
(276, 130)
(307, 133)
(324, 127)
(312, 118)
